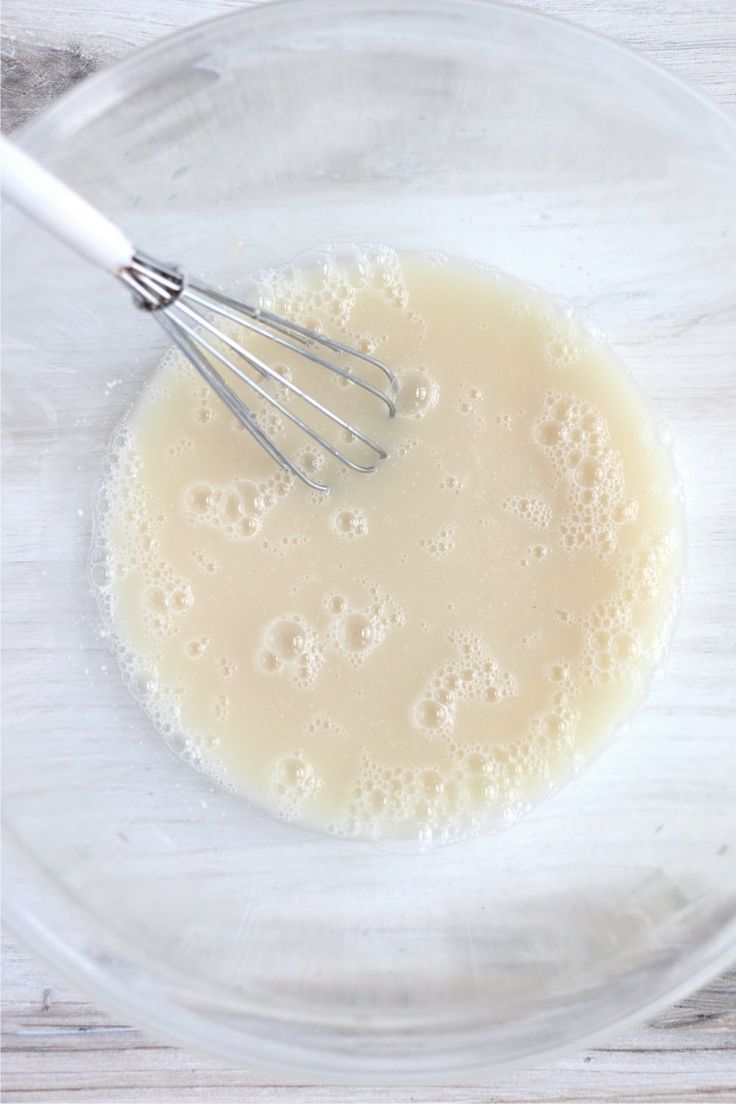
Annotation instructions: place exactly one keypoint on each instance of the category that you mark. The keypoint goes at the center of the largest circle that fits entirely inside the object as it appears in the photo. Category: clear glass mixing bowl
(487, 132)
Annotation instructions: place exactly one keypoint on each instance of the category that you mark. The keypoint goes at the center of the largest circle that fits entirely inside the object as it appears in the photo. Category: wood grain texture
(57, 1046)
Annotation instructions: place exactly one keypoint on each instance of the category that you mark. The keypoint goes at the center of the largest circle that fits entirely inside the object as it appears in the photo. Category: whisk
(187, 309)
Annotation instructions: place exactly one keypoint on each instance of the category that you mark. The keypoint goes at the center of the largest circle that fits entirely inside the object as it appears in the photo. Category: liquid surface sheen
(425, 651)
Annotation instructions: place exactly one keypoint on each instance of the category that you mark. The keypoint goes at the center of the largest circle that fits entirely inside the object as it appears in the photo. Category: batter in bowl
(425, 651)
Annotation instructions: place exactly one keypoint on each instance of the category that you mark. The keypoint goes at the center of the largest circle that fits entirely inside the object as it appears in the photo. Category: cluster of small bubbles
(472, 674)
(418, 392)
(283, 393)
(269, 662)
(181, 447)
(311, 459)
(126, 540)
(521, 307)
(334, 283)
(559, 672)
(531, 639)
(200, 503)
(207, 564)
(204, 413)
(321, 724)
(196, 647)
(556, 729)
(164, 709)
(467, 403)
(291, 644)
(564, 616)
(356, 631)
(535, 554)
(155, 391)
(575, 437)
(442, 544)
(167, 596)
(447, 800)
(530, 508)
(406, 446)
(641, 572)
(269, 420)
(335, 604)
(126, 525)
(565, 340)
(307, 667)
(284, 545)
(383, 272)
(292, 781)
(221, 707)
(174, 361)
(452, 483)
(349, 523)
(235, 509)
(504, 419)
(611, 643)
(227, 667)
(366, 343)
(279, 485)
(614, 645)
(384, 798)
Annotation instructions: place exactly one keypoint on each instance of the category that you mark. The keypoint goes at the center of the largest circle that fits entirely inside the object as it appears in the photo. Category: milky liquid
(427, 650)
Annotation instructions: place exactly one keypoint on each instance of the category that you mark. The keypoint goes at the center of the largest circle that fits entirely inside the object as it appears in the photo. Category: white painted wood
(57, 1046)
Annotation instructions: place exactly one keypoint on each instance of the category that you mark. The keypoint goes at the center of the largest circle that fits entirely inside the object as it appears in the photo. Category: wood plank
(56, 1046)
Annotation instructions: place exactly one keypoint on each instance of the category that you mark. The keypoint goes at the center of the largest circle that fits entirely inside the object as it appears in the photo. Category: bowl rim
(170, 1021)
(35, 127)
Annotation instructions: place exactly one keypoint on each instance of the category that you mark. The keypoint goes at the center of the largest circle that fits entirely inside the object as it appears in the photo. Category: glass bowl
(487, 132)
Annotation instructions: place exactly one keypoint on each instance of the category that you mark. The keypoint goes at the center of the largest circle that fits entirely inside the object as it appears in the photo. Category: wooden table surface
(57, 1046)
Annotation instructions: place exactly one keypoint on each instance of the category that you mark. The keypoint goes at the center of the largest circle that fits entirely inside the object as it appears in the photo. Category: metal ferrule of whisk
(187, 309)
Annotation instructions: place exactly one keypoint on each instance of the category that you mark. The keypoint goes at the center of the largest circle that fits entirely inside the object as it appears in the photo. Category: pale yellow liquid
(428, 649)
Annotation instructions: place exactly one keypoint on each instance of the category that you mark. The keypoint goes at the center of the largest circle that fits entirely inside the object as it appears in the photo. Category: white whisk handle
(52, 204)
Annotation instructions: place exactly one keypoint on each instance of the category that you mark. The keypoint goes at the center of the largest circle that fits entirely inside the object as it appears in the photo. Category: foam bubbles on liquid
(356, 631)
(441, 544)
(471, 674)
(293, 780)
(529, 508)
(343, 628)
(290, 643)
(235, 509)
(576, 439)
(345, 273)
(349, 523)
